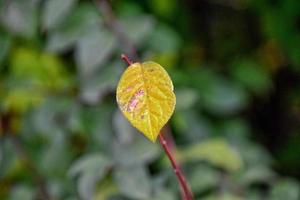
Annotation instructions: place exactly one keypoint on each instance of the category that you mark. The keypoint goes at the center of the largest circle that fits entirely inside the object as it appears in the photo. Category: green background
(235, 66)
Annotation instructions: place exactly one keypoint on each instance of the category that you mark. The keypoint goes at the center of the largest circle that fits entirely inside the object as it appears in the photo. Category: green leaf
(55, 11)
(56, 156)
(93, 50)
(5, 43)
(32, 76)
(92, 163)
(20, 17)
(82, 20)
(133, 182)
(254, 154)
(285, 189)
(224, 97)
(22, 192)
(192, 125)
(203, 178)
(131, 149)
(163, 194)
(90, 168)
(236, 130)
(215, 151)
(223, 197)
(93, 88)
(164, 39)
(186, 98)
(257, 174)
(31, 68)
(44, 117)
(87, 185)
(252, 75)
(137, 28)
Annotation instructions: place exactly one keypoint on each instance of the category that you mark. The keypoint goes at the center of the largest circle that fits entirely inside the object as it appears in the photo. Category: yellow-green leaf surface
(146, 98)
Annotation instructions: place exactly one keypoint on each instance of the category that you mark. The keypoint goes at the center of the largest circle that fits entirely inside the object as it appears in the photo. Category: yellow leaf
(146, 98)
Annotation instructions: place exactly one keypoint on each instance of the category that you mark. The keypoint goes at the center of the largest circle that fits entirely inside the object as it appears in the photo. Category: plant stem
(181, 178)
(187, 194)
(126, 59)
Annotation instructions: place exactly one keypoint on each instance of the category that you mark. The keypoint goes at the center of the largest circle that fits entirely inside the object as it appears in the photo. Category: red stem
(184, 185)
(187, 194)
(126, 59)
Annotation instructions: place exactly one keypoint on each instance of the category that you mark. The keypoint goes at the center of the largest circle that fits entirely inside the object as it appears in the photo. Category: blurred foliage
(235, 66)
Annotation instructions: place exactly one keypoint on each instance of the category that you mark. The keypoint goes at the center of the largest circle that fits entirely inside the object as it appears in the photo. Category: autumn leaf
(146, 98)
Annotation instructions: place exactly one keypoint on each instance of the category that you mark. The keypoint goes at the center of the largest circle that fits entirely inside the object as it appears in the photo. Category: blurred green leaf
(235, 130)
(285, 189)
(91, 163)
(257, 174)
(41, 70)
(203, 178)
(95, 86)
(32, 76)
(55, 11)
(163, 195)
(254, 154)
(223, 97)
(83, 19)
(252, 75)
(164, 39)
(106, 191)
(186, 98)
(20, 100)
(192, 125)
(133, 182)
(90, 168)
(137, 28)
(56, 156)
(131, 148)
(44, 118)
(224, 197)
(163, 46)
(22, 192)
(20, 17)
(87, 185)
(5, 43)
(93, 50)
(215, 151)
(164, 8)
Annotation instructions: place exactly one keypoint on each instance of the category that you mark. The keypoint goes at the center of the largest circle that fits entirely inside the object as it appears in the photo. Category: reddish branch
(181, 178)
(187, 194)
(126, 59)
(128, 47)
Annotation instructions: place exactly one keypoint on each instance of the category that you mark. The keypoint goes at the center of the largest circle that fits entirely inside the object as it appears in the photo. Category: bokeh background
(235, 66)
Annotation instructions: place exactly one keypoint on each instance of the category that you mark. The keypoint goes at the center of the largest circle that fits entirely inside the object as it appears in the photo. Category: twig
(128, 47)
(187, 194)
(181, 178)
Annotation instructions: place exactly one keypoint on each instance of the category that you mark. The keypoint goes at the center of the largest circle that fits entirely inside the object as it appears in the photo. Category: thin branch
(128, 47)
(177, 170)
(126, 59)
(185, 189)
